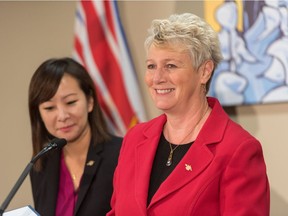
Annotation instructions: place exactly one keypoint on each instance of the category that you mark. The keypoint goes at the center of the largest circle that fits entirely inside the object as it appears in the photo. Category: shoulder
(152, 124)
(113, 144)
(225, 127)
(229, 134)
(237, 139)
(115, 140)
(143, 131)
(238, 132)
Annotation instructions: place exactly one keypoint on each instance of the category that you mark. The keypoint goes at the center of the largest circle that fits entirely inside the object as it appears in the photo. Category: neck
(79, 146)
(186, 129)
(75, 153)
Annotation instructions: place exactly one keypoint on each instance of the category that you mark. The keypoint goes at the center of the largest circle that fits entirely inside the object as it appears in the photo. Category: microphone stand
(15, 188)
(23, 176)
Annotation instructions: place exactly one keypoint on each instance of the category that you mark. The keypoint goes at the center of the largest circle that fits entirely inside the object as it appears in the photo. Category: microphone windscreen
(60, 142)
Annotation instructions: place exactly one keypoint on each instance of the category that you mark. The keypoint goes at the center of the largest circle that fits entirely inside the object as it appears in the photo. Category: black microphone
(54, 144)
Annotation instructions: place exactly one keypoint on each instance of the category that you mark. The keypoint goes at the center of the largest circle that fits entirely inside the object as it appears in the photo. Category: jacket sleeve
(32, 183)
(113, 199)
(115, 184)
(245, 186)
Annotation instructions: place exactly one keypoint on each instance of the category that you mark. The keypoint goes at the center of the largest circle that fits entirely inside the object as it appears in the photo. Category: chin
(68, 138)
(162, 107)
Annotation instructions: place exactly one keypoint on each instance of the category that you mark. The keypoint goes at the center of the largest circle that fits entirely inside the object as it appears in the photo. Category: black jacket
(96, 186)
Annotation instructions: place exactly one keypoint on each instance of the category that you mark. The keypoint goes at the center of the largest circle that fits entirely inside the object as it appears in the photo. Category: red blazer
(223, 173)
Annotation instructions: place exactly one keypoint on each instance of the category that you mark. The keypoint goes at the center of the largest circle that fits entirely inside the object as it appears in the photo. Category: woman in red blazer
(193, 159)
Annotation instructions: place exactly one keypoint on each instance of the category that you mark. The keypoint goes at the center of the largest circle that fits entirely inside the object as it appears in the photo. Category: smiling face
(172, 81)
(65, 115)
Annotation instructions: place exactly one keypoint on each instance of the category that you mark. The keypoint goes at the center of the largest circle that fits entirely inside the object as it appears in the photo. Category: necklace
(170, 157)
(73, 177)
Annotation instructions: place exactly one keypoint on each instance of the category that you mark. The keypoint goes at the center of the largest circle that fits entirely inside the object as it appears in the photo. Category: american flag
(100, 46)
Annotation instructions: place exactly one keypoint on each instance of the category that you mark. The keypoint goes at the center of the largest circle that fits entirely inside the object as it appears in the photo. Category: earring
(204, 88)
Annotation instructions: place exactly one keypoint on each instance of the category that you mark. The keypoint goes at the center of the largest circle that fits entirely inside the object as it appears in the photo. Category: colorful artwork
(254, 42)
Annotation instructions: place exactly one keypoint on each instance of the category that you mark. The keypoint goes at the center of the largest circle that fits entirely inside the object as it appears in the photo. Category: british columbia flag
(100, 45)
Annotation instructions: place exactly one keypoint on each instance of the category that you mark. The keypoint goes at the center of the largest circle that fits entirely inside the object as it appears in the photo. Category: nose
(62, 114)
(159, 75)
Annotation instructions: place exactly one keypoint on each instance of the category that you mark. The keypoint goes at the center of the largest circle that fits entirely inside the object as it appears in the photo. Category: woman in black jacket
(77, 179)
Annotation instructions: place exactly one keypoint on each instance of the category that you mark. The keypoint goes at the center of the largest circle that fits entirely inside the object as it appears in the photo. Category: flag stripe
(131, 82)
(101, 47)
(106, 61)
(79, 56)
(87, 60)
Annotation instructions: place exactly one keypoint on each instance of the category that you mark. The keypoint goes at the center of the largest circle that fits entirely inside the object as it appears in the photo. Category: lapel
(91, 166)
(193, 163)
(198, 157)
(145, 152)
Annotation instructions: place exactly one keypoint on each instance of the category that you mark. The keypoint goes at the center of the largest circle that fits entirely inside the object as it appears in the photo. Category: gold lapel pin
(90, 163)
(188, 167)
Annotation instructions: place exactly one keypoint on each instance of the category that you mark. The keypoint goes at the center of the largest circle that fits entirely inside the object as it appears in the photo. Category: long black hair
(43, 86)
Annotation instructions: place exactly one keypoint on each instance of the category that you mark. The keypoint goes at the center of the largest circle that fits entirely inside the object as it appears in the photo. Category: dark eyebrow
(71, 94)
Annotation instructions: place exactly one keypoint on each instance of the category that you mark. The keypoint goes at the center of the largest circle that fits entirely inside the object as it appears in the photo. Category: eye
(171, 66)
(71, 102)
(151, 66)
(48, 108)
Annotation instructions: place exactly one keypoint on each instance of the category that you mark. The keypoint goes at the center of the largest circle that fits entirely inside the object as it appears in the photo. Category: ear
(206, 72)
(90, 104)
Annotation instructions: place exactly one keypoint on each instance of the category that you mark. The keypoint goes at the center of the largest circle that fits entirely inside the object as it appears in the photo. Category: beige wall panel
(30, 32)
